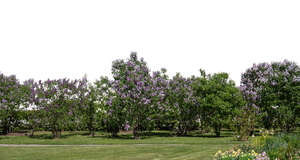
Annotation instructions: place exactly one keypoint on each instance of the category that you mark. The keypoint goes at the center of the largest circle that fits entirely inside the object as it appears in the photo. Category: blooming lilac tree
(33, 115)
(87, 111)
(285, 89)
(12, 95)
(272, 90)
(183, 102)
(134, 93)
(56, 100)
(116, 114)
(254, 88)
(165, 117)
(93, 110)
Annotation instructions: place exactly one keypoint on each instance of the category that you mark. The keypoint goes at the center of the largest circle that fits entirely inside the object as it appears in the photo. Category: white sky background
(68, 38)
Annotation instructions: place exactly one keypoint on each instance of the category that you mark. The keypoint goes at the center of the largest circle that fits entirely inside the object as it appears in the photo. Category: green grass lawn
(155, 146)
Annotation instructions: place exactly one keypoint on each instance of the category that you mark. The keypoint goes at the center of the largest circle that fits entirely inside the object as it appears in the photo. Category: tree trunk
(114, 134)
(5, 129)
(91, 119)
(251, 132)
(218, 133)
(136, 133)
(181, 129)
(91, 128)
(53, 133)
(92, 133)
(56, 133)
(32, 132)
(218, 130)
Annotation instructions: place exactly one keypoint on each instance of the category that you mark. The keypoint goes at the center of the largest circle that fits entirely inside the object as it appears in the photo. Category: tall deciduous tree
(219, 99)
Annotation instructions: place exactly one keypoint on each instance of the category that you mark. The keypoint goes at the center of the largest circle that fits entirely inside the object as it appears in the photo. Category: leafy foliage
(219, 99)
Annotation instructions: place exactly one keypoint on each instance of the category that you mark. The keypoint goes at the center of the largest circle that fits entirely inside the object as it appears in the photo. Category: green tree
(219, 100)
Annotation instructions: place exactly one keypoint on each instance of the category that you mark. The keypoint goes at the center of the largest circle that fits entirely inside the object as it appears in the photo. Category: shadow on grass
(149, 135)
(206, 136)
(129, 135)
(224, 134)
(63, 136)
(2, 137)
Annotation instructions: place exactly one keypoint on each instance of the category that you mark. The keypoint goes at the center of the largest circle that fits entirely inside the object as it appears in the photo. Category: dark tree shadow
(129, 135)
(144, 135)
(2, 137)
(63, 136)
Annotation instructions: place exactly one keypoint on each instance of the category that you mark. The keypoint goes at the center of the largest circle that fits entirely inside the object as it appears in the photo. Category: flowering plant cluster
(277, 146)
(240, 155)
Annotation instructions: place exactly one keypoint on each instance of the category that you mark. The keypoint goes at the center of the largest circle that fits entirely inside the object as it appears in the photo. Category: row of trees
(137, 99)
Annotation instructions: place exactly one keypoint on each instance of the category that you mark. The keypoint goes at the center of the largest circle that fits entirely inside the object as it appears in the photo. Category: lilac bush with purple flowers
(272, 92)
(89, 111)
(165, 116)
(183, 102)
(134, 92)
(56, 100)
(12, 96)
(112, 112)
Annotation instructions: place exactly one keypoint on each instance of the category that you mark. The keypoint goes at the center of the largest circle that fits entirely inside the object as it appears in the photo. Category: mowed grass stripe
(111, 152)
